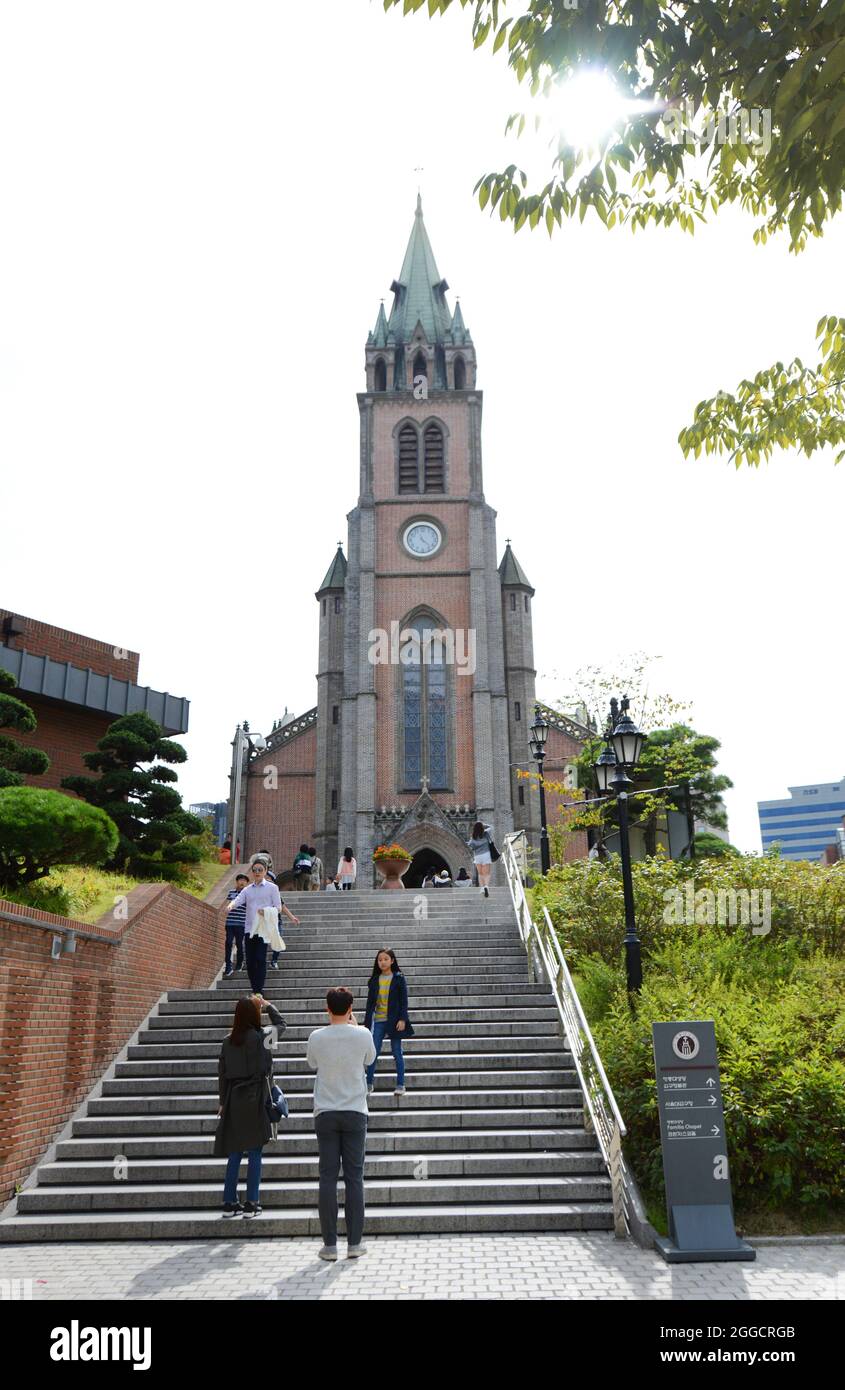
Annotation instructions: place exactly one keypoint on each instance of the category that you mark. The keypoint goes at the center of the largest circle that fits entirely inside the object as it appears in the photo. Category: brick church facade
(425, 684)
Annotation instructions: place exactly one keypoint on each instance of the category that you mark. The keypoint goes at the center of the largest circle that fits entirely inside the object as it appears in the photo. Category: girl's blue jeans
(253, 1176)
(379, 1030)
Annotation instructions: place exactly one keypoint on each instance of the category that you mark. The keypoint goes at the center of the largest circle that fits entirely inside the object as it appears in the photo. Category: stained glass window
(425, 710)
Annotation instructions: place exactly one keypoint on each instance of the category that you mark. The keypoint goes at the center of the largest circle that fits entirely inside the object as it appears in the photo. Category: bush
(777, 1000)
(41, 828)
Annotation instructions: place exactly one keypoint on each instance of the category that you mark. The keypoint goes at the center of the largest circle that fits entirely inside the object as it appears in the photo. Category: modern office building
(805, 823)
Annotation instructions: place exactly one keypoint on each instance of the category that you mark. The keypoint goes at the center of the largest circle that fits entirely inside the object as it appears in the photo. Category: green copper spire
(336, 573)
(511, 572)
(420, 291)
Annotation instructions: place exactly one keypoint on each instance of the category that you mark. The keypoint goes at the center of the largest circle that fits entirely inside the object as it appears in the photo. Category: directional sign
(692, 1135)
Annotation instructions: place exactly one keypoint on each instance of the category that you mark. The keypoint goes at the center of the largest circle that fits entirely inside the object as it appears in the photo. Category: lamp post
(537, 744)
(622, 751)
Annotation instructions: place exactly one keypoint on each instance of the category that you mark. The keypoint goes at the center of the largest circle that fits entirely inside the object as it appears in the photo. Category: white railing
(546, 963)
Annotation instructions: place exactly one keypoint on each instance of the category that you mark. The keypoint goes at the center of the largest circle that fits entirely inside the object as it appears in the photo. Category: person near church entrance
(387, 1014)
(235, 923)
(443, 879)
(332, 886)
(339, 1053)
(258, 894)
(463, 880)
(225, 855)
(316, 870)
(347, 869)
(244, 1073)
(429, 880)
(481, 856)
(302, 869)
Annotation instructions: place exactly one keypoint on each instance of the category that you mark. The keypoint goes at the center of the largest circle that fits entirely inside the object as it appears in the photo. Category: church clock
(422, 538)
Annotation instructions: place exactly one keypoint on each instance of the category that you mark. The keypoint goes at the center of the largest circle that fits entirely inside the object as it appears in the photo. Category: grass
(753, 1221)
(86, 894)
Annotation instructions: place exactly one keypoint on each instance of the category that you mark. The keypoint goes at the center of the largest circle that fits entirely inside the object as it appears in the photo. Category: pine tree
(155, 833)
(15, 758)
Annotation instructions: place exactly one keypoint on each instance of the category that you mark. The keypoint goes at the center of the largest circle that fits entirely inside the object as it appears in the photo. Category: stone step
(443, 1219)
(399, 1141)
(285, 1168)
(416, 1062)
(455, 1030)
(451, 999)
(500, 1116)
(302, 1083)
(183, 1102)
(122, 1196)
(428, 1047)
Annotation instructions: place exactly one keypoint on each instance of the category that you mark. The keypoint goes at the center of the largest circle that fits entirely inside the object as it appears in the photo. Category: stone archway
(424, 860)
(428, 835)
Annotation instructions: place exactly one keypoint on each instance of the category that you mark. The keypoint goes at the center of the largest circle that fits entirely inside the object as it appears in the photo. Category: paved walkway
(413, 1267)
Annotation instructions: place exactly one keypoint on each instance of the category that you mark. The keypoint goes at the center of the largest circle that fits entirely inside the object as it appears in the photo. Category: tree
(777, 65)
(709, 846)
(15, 758)
(155, 833)
(40, 828)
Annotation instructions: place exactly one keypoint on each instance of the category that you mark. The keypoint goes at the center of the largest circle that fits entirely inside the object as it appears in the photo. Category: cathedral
(425, 676)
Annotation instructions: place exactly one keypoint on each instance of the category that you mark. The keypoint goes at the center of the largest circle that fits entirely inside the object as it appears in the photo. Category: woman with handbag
(246, 1094)
(483, 852)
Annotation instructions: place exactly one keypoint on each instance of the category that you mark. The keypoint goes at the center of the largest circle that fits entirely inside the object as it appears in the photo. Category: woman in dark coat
(245, 1075)
(387, 1014)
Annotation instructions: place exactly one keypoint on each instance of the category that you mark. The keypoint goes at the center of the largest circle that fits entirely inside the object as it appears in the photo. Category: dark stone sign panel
(695, 1155)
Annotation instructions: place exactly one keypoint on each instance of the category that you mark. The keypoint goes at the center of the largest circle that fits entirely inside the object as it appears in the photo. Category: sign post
(692, 1136)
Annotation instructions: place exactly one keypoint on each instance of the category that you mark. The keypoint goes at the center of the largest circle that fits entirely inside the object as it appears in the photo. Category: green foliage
(709, 846)
(784, 63)
(782, 406)
(15, 758)
(41, 828)
(777, 1001)
(156, 835)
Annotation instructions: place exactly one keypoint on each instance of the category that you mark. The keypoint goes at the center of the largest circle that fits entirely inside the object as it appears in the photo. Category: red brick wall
(281, 820)
(64, 733)
(560, 750)
(63, 1022)
(60, 645)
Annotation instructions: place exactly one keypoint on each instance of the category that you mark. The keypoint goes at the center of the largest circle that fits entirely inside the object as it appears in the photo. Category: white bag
(267, 928)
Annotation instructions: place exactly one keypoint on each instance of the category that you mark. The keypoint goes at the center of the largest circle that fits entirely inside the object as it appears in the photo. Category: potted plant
(392, 861)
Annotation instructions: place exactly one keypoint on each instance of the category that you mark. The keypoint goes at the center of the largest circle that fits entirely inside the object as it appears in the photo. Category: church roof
(511, 571)
(336, 573)
(419, 296)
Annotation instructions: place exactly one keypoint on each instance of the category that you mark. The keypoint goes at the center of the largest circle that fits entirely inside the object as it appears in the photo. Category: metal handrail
(545, 958)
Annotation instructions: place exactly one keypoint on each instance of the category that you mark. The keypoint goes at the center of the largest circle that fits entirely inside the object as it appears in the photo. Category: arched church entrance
(422, 863)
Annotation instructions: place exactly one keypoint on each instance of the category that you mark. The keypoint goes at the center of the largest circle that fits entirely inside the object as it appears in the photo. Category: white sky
(203, 203)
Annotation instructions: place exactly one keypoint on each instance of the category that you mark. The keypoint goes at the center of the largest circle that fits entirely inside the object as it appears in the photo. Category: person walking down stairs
(387, 1015)
(481, 854)
(339, 1053)
(244, 1082)
(235, 925)
(258, 895)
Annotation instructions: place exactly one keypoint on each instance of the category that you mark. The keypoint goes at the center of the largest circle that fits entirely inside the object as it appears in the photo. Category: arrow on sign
(710, 1081)
(715, 1130)
(711, 1100)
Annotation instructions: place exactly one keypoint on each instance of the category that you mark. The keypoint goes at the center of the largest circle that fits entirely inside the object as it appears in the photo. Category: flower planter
(392, 871)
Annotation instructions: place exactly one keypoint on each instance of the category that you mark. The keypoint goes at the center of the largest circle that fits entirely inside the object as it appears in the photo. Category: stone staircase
(489, 1137)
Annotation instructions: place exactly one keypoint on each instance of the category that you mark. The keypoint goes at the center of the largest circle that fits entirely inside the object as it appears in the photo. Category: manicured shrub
(41, 828)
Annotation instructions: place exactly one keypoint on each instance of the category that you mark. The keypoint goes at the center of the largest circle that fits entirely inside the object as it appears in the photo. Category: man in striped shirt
(235, 923)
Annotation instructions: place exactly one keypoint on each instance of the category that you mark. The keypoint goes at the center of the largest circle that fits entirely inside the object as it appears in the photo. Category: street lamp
(622, 751)
(537, 744)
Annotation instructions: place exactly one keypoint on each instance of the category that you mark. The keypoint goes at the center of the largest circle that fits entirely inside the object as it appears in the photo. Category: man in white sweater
(339, 1053)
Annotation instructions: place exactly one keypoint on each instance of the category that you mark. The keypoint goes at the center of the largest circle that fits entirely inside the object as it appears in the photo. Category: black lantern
(605, 768)
(539, 730)
(626, 739)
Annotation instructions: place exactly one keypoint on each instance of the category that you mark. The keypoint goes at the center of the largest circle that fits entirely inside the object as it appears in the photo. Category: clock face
(422, 538)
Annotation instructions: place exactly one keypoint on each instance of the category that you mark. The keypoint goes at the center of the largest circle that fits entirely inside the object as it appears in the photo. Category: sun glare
(589, 106)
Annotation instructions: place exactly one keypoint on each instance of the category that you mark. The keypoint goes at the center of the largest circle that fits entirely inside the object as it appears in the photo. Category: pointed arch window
(460, 374)
(380, 378)
(435, 478)
(409, 451)
(420, 365)
(424, 706)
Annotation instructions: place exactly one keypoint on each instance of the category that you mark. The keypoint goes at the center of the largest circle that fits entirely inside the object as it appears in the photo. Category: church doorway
(423, 861)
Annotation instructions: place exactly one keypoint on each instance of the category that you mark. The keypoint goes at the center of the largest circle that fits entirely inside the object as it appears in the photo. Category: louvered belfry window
(434, 473)
(408, 459)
